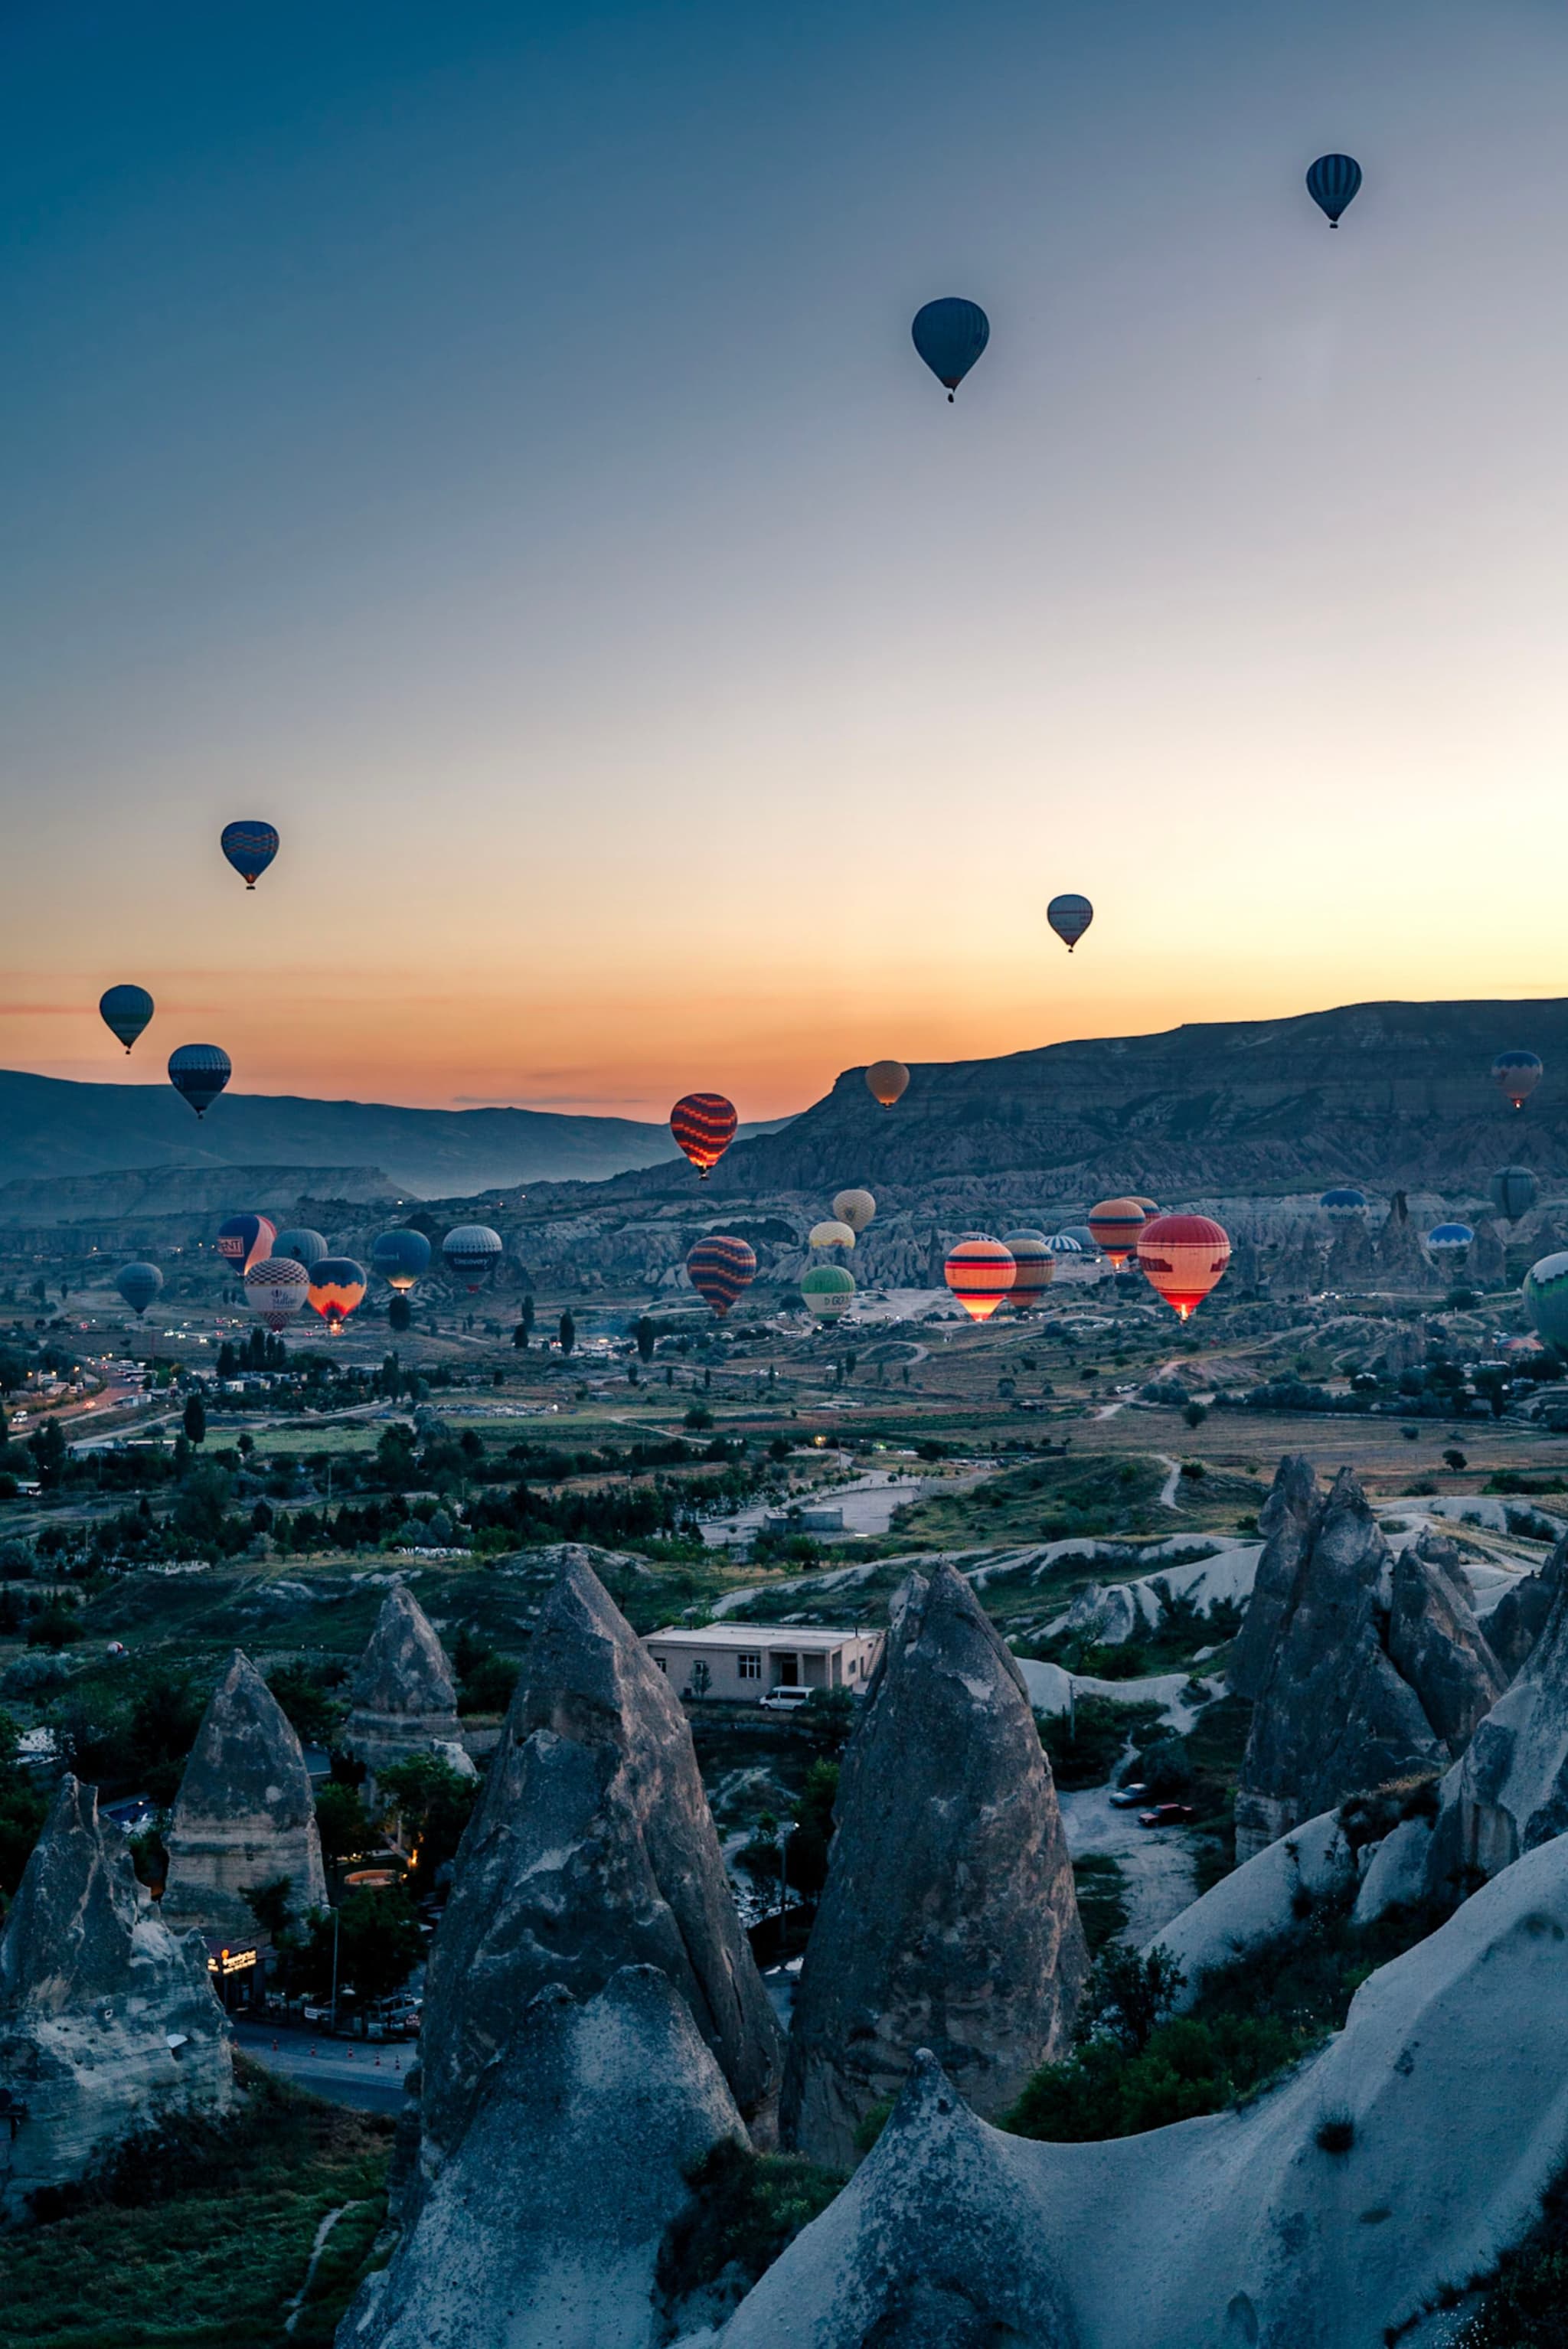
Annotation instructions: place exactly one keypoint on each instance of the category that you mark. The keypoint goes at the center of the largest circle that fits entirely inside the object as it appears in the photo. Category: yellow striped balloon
(830, 1235)
(1036, 1265)
(980, 1272)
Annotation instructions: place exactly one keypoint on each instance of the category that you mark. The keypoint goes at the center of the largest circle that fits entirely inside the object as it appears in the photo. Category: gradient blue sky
(486, 440)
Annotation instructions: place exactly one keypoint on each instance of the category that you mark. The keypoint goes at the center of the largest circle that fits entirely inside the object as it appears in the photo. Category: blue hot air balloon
(1332, 183)
(249, 846)
(1064, 1244)
(1084, 1236)
(138, 1284)
(300, 1245)
(125, 1011)
(950, 335)
(1450, 1241)
(401, 1257)
(199, 1073)
(1069, 916)
(1345, 1203)
(246, 1239)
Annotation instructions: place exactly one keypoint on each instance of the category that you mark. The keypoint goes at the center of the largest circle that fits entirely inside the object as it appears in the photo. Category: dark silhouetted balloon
(126, 1011)
(470, 1251)
(1070, 916)
(199, 1073)
(1518, 1074)
(704, 1126)
(401, 1257)
(1546, 1301)
(1513, 1192)
(950, 335)
(1332, 182)
(249, 846)
(138, 1284)
(887, 1082)
(299, 1243)
(720, 1267)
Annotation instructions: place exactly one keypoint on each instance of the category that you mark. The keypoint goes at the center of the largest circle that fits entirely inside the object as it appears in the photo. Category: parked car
(785, 1699)
(1168, 1815)
(1127, 1798)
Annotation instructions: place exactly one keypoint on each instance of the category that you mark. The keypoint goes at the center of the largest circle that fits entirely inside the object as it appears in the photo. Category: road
(344, 2071)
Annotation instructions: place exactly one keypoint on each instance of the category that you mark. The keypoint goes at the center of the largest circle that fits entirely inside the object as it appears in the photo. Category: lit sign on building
(232, 1962)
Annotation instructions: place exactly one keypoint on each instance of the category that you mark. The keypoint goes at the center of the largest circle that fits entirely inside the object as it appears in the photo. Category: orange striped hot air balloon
(720, 1267)
(980, 1272)
(1037, 1268)
(887, 1081)
(1183, 1256)
(704, 1126)
(1114, 1226)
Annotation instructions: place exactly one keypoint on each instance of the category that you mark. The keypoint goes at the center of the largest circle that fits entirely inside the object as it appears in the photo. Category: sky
(486, 442)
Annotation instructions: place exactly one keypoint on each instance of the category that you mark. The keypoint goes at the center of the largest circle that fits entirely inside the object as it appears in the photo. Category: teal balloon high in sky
(125, 1012)
(950, 335)
(249, 846)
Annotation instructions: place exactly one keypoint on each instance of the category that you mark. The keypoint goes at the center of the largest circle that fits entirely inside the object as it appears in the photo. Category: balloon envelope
(1035, 1267)
(1082, 1234)
(1513, 1192)
(276, 1287)
(829, 1290)
(336, 1285)
(470, 1251)
(704, 1127)
(1114, 1226)
(1345, 1204)
(1064, 1244)
(401, 1257)
(980, 1272)
(1332, 182)
(138, 1284)
(126, 1011)
(1518, 1073)
(1070, 916)
(245, 1240)
(1546, 1301)
(249, 846)
(720, 1267)
(855, 1208)
(305, 1247)
(1183, 1256)
(830, 1235)
(1449, 1239)
(199, 1073)
(950, 335)
(887, 1082)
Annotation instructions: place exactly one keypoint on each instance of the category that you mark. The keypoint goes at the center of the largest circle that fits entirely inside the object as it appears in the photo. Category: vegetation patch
(1101, 1902)
(1085, 1746)
(746, 2208)
(1055, 1499)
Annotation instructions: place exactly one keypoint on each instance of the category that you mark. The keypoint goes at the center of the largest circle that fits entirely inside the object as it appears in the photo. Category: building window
(748, 1665)
(661, 1664)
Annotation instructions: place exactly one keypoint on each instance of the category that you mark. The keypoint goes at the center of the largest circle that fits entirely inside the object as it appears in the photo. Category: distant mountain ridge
(51, 1127)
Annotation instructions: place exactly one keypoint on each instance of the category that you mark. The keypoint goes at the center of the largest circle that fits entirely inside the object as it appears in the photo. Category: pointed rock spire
(1285, 1522)
(245, 1815)
(948, 1919)
(403, 1697)
(1436, 1644)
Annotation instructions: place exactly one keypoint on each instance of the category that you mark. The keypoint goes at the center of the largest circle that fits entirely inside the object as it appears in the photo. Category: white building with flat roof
(745, 1661)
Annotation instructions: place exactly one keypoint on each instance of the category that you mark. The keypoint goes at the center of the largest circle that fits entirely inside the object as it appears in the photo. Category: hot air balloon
(337, 1286)
(245, 1240)
(980, 1272)
(469, 1252)
(1070, 916)
(138, 1284)
(1114, 1226)
(887, 1082)
(1513, 1192)
(704, 1127)
(125, 1012)
(199, 1073)
(305, 1247)
(401, 1257)
(1064, 1244)
(1450, 1242)
(830, 1235)
(1036, 1267)
(829, 1290)
(1518, 1073)
(277, 1287)
(1084, 1236)
(1546, 1301)
(855, 1208)
(1332, 182)
(1150, 1207)
(1183, 1256)
(950, 335)
(249, 846)
(720, 1267)
(1345, 1204)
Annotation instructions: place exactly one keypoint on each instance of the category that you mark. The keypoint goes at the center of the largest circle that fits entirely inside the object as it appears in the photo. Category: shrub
(1335, 2133)
(745, 2208)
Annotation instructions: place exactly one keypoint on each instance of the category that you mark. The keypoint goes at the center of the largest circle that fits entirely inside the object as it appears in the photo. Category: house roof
(798, 1636)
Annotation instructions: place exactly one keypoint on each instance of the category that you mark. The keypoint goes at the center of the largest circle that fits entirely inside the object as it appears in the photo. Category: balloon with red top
(980, 1272)
(1183, 1257)
(720, 1268)
(704, 1127)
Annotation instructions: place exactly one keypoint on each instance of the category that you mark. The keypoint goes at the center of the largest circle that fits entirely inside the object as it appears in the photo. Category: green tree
(434, 1802)
(195, 1420)
(305, 1693)
(646, 1334)
(270, 1905)
(1454, 1458)
(568, 1331)
(399, 1315)
(345, 1830)
(200, 1511)
(50, 1454)
(379, 1942)
(1128, 1995)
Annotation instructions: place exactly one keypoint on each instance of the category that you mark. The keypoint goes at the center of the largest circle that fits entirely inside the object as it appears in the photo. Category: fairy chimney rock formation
(1518, 1619)
(245, 1816)
(1509, 1793)
(1285, 1522)
(404, 1699)
(108, 2020)
(1435, 1643)
(948, 1920)
(593, 1847)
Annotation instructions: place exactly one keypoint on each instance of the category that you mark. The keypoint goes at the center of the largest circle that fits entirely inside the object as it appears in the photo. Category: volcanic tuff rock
(404, 1701)
(1436, 1644)
(1285, 1522)
(593, 1847)
(1332, 1713)
(1518, 1619)
(948, 1919)
(107, 2019)
(1509, 1793)
(1239, 2230)
(244, 1815)
(543, 2229)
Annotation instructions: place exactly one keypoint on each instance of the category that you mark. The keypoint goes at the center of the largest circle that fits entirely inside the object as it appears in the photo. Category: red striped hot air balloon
(980, 1272)
(1114, 1226)
(704, 1126)
(720, 1267)
(1184, 1257)
(1037, 1268)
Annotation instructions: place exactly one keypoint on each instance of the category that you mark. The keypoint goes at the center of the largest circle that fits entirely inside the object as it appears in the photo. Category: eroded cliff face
(949, 1919)
(245, 1815)
(108, 2020)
